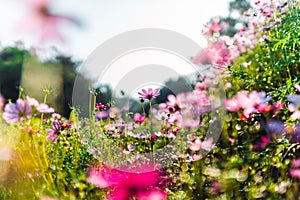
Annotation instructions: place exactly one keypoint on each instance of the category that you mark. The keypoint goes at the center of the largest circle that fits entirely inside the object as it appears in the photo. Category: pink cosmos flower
(40, 107)
(138, 118)
(32, 101)
(126, 185)
(41, 21)
(144, 94)
(15, 112)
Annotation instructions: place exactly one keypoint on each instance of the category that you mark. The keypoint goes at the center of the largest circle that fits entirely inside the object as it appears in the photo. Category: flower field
(234, 135)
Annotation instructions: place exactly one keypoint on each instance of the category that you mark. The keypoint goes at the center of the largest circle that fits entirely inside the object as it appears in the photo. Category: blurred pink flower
(15, 112)
(248, 102)
(173, 103)
(232, 105)
(296, 163)
(295, 173)
(204, 145)
(44, 108)
(144, 94)
(32, 101)
(126, 185)
(190, 123)
(216, 53)
(5, 154)
(138, 118)
(40, 107)
(41, 21)
(102, 114)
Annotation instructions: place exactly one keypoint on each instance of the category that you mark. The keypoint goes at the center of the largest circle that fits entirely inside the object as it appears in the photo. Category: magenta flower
(15, 112)
(138, 118)
(127, 185)
(295, 172)
(101, 106)
(149, 94)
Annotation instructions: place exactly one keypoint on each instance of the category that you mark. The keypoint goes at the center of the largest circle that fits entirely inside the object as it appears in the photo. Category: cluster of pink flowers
(140, 184)
(251, 103)
(223, 50)
(23, 109)
(184, 110)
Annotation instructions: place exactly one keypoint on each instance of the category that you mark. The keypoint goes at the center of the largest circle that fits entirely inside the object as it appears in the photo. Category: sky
(102, 19)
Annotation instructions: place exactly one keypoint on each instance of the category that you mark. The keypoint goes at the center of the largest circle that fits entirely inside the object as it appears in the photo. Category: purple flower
(15, 112)
(54, 132)
(57, 127)
(149, 94)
